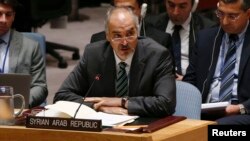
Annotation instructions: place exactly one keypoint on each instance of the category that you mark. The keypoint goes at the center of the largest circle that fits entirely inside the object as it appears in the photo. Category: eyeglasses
(231, 16)
(127, 38)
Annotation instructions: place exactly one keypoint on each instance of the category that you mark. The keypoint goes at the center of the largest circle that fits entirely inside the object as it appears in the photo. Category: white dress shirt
(4, 53)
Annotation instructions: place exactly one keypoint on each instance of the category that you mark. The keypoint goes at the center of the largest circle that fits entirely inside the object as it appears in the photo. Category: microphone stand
(97, 78)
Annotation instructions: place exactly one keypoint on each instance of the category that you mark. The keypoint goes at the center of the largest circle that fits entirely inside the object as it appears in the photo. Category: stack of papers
(67, 109)
(214, 106)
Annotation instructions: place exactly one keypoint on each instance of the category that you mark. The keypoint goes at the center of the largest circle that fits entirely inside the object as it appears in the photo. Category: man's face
(232, 18)
(122, 34)
(178, 10)
(7, 16)
(129, 3)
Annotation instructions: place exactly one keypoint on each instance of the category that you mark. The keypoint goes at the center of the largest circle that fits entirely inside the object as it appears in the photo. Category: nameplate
(64, 123)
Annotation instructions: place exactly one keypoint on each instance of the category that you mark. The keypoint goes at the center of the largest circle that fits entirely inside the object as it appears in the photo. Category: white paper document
(214, 106)
(67, 109)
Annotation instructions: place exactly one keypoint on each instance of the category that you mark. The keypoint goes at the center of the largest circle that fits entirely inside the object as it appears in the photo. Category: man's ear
(107, 36)
(218, 4)
(196, 2)
(248, 13)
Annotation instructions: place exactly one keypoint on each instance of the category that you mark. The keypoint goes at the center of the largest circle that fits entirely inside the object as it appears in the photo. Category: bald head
(120, 15)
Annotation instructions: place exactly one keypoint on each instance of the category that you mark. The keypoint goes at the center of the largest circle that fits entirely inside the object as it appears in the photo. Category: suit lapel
(163, 22)
(195, 26)
(14, 50)
(136, 70)
(245, 54)
(109, 71)
(215, 55)
(191, 38)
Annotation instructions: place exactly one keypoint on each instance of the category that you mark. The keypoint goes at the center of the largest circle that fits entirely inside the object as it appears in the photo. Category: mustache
(127, 47)
(124, 47)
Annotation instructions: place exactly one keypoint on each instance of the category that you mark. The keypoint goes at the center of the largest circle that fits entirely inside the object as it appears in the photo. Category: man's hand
(232, 110)
(178, 77)
(114, 110)
(104, 101)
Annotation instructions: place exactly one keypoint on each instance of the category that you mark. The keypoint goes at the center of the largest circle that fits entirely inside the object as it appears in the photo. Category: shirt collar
(127, 61)
(185, 25)
(6, 37)
(240, 35)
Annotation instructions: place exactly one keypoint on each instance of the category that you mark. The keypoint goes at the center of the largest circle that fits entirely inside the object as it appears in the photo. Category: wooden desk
(186, 130)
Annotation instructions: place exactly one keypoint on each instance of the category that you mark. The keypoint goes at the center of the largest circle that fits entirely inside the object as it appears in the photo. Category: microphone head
(97, 77)
(143, 10)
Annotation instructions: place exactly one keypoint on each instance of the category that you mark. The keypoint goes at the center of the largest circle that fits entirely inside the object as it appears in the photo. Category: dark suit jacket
(162, 38)
(199, 73)
(198, 22)
(151, 81)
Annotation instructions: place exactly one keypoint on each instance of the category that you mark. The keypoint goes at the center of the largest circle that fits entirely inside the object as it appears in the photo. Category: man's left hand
(114, 110)
(232, 110)
(104, 101)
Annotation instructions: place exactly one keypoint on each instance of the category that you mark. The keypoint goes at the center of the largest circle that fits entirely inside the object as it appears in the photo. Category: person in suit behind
(20, 54)
(145, 30)
(148, 86)
(179, 14)
(221, 63)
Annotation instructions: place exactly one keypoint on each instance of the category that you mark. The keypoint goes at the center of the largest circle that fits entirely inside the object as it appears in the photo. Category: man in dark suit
(179, 12)
(221, 63)
(145, 30)
(147, 72)
(19, 54)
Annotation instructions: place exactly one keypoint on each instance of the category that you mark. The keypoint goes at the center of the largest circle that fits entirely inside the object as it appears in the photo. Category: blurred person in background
(183, 24)
(221, 63)
(19, 54)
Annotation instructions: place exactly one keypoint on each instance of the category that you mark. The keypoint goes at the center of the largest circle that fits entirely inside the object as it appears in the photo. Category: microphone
(97, 78)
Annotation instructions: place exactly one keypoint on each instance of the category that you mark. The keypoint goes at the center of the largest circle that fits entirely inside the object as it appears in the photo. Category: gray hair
(245, 3)
(121, 9)
(140, 2)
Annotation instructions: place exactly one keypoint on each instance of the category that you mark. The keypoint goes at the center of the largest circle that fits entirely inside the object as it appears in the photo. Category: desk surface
(186, 130)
